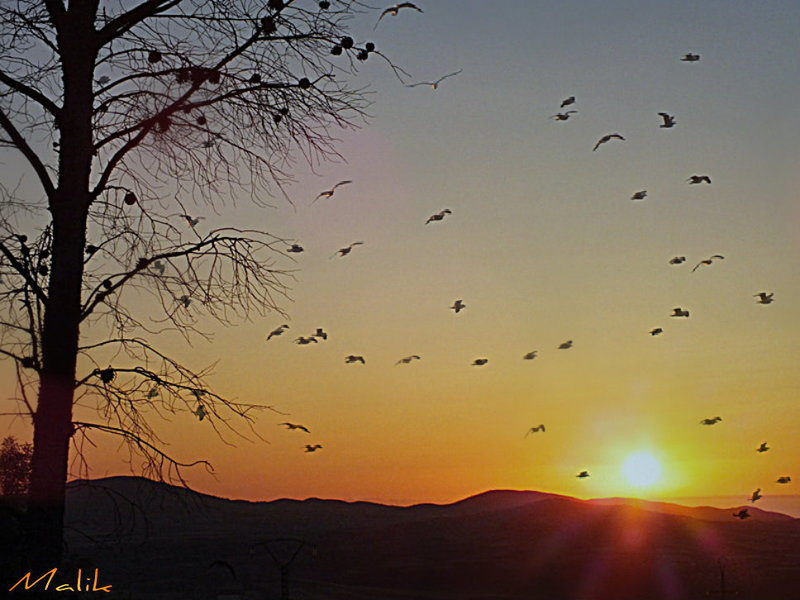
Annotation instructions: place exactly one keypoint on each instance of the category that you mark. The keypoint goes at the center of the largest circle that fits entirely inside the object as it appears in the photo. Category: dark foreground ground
(153, 541)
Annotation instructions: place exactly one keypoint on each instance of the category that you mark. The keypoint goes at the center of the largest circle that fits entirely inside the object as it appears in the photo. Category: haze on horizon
(543, 245)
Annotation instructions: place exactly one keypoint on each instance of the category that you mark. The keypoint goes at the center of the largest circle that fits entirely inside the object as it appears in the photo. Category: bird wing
(409, 5)
(345, 182)
(448, 75)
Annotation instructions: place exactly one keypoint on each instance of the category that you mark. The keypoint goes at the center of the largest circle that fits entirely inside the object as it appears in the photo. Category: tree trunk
(69, 208)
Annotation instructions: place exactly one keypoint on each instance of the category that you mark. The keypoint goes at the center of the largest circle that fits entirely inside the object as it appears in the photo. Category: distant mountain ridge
(499, 544)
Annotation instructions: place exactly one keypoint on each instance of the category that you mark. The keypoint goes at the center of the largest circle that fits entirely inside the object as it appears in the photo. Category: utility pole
(284, 559)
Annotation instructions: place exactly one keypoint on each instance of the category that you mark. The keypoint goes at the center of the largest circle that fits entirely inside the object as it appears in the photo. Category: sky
(543, 245)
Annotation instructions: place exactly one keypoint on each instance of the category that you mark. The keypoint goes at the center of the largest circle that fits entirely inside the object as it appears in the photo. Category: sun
(642, 469)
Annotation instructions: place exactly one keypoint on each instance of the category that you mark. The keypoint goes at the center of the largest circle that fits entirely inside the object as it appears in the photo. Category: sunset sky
(543, 245)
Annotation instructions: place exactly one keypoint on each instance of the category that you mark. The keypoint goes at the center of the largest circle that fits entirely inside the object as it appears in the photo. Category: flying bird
(439, 216)
(277, 331)
(563, 116)
(352, 358)
(639, 195)
(713, 421)
(607, 138)
(656, 331)
(756, 495)
(434, 84)
(583, 474)
(568, 101)
(763, 447)
(565, 345)
(103, 79)
(192, 220)
(690, 57)
(407, 359)
(479, 362)
(458, 306)
(314, 448)
(329, 193)
(293, 426)
(393, 10)
(200, 412)
(530, 355)
(708, 261)
(699, 179)
(535, 429)
(784, 479)
(319, 333)
(346, 251)
(224, 565)
(159, 266)
(679, 312)
(742, 514)
(295, 248)
(669, 120)
(303, 341)
(764, 297)
(676, 260)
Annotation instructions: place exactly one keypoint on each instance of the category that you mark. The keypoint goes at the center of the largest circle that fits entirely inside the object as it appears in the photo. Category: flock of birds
(668, 121)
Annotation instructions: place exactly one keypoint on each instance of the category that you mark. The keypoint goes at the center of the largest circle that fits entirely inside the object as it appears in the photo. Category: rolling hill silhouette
(160, 541)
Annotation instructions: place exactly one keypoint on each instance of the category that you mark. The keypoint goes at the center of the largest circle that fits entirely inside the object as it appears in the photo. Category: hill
(162, 542)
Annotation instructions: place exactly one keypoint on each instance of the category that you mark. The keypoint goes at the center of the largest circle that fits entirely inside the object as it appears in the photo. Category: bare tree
(129, 115)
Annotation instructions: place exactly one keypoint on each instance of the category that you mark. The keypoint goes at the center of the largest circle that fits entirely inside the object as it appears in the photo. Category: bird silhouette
(297, 248)
(669, 120)
(458, 306)
(158, 265)
(439, 216)
(152, 393)
(763, 447)
(407, 359)
(764, 297)
(784, 479)
(314, 448)
(607, 138)
(563, 116)
(200, 412)
(656, 331)
(756, 495)
(567, 102)
(583, 474)
(699, 179)
(535, 429)
(690, 57)
(679, 312)
(277, 331)
(530, 355)
(352, 358)
(434, 84)
(565, 345)
(742, 514)
(184, 301)
(393, 10)
(329, 193)
(345, 251)
(304, 341)
(708, 261)
(639, 195)
(293, 426)
(103, 79)
(479, 362)
(225, 565)
(713, 421)
(319, 333)
(676, 260)
(192, 220)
